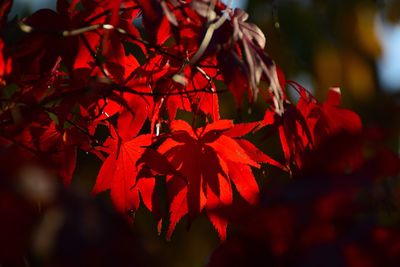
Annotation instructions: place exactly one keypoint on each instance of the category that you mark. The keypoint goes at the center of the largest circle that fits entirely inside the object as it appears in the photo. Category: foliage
(134, 83)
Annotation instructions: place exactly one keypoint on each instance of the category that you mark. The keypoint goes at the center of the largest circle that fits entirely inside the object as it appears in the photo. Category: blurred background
(354, 45)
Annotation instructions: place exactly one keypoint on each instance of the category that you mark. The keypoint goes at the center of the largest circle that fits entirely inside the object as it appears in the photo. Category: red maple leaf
(307, 124)
(156, 25)
(209, 160)
(58, 147)
(118, 172)
(328, 118)
(293, 133)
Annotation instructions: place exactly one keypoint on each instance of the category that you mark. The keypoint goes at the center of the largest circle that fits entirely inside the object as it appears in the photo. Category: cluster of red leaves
(90, 68)
(218, 158)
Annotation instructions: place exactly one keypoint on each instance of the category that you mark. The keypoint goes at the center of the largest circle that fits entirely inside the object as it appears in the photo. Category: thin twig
(107, 12)
(93, 54)
(129, 90)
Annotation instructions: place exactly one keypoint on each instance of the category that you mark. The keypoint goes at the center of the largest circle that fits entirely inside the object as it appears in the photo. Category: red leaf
(328, 119)
(146, 188)
(234, 75)
(56, 148)
(243, 178)
(257, 155)
(229, 149)
(135, 113)
(214, 201)
(119, 171)
(221, 125)
(179, 205)
(241, 129)
(206, 159)
(156, 24)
